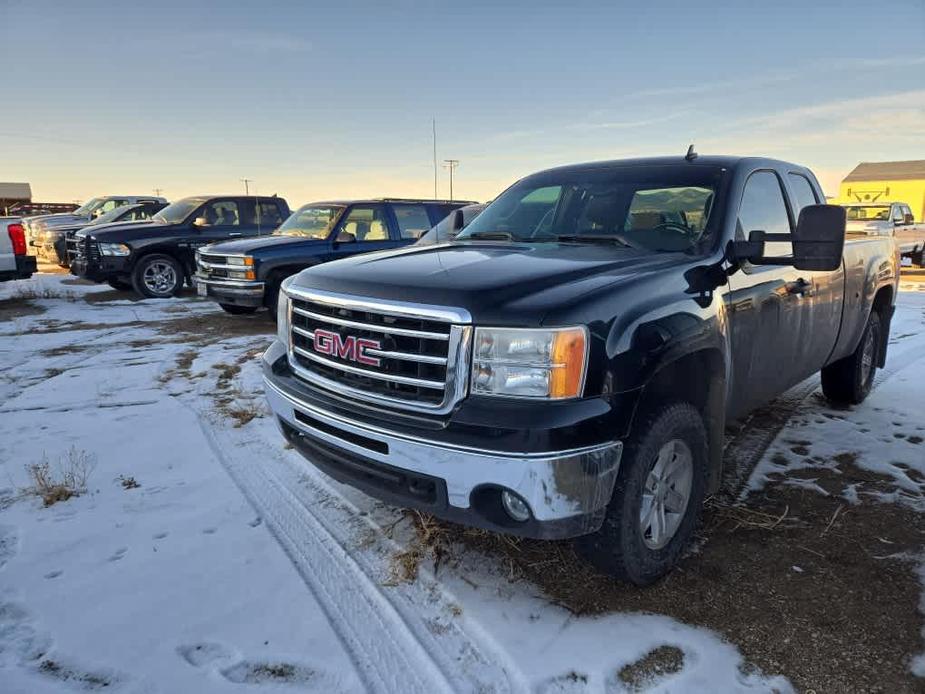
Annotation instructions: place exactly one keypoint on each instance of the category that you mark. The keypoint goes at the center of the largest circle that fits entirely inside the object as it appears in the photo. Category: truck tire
(238, 310)
(157, 276)
(120, 284)
(657, 498)
(848, 381)
(271, 295)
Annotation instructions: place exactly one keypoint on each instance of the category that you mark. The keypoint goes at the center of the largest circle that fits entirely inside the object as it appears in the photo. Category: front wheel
(849, 380)
(657, 498)
(235, 310)
(157, 276)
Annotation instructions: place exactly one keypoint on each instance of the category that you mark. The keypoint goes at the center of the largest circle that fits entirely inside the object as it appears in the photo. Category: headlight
(114, 249)
(241, 275)
(237, 260)
(282, 312)
(528, 363)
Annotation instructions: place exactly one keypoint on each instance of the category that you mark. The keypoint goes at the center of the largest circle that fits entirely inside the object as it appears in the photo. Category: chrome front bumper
(567, 491)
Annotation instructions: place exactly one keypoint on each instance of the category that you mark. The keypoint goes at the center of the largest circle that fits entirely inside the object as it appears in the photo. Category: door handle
(235, 233)
(800, 286)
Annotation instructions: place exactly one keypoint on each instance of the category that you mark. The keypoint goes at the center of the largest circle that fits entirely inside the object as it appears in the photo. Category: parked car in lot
(85, 213)
(890, 219)
(448, 227)
(51, 244)
(566, 366)
(315, 233)
(157, 257)
(15, 264)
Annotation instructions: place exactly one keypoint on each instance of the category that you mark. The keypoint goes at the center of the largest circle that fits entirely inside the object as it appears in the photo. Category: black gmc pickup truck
(565, 366)
(315, 233)
(157, 257)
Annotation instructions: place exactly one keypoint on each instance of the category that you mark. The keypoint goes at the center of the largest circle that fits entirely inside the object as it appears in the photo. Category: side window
(803, 193)
(413, 221)
(109, 206)
(763, 209)
(908, 211)
(268, 214)
(221, 213)
(364, 223)
(898, 214)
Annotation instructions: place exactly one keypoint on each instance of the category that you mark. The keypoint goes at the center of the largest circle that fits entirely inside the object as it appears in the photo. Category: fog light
(515, 506)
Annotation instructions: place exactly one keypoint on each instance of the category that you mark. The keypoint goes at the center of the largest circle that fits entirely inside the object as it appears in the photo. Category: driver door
(222, 221)
(765, 303)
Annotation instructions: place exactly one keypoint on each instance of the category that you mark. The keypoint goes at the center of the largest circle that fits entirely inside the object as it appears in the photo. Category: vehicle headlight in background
(529, 363)
(114, 249)
(282, 313)
(236, 260)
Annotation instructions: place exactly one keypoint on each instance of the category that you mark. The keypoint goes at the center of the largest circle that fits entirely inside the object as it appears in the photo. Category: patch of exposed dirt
(112, 295)
(207, 328)
(64, 349)
(653, 666)
(805, 585)
(18, 308)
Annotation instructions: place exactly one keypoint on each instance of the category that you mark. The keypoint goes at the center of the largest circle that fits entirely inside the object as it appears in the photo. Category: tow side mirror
(817, 242)
(200, 222)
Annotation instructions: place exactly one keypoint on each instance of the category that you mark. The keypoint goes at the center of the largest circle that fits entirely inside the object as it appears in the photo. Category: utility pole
(158, 191)
(435, 157)
(451, 164)
(247, 182)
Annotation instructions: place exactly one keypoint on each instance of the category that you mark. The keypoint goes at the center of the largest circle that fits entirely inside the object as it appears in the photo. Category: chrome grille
(213, 265)
(419, 363)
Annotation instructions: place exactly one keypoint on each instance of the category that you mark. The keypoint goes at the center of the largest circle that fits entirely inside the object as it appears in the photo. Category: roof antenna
(691, 154)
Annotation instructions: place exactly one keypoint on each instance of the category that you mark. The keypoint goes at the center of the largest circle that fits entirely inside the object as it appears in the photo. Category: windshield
(112, 215)
(651, 208)
(88, 206)
(873, 212)
(178, 211)
(311, 221)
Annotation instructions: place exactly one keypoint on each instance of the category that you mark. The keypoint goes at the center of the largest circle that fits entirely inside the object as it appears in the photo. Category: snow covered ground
(205, 557)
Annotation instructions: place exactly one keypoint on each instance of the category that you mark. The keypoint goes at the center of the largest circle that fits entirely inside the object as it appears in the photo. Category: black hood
(496, 282)
(122, 232)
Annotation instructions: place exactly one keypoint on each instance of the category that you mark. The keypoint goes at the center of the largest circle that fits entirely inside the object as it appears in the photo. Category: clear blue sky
(316, 100)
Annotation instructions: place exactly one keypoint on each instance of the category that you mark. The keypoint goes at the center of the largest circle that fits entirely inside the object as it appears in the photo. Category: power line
(450, 164)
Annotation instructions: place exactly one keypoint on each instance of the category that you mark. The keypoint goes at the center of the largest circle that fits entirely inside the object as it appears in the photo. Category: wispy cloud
(259, 42)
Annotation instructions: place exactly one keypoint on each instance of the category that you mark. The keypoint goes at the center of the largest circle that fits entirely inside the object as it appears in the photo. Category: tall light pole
(451, 164)
(247, 182)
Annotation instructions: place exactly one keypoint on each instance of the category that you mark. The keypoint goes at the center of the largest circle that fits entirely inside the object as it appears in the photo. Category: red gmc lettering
(350, 347)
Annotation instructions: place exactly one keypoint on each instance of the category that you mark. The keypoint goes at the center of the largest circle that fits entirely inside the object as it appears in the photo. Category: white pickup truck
(14, 263)
(889, 219)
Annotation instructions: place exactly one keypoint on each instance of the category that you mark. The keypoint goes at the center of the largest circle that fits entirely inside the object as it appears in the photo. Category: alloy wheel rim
(160, 278)
(666, 494)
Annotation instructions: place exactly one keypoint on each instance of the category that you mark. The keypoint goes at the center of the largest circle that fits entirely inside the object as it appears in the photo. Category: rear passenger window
(364, 224)
(803, 192)
(268, 215)
(413, 221)
(763, 209)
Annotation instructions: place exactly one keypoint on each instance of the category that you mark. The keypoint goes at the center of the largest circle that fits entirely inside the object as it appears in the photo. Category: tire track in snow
(396, 644)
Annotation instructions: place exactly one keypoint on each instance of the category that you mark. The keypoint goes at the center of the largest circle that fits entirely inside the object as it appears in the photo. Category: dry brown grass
(32, 292)
(62, 481)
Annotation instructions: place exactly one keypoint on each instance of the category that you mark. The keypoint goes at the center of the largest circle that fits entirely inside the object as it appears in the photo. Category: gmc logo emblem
(350, 348)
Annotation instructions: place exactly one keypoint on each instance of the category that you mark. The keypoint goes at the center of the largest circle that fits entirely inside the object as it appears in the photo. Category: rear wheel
(657, 499)
(238, 310)
(849, 381)
(157, 276)
(122, 285)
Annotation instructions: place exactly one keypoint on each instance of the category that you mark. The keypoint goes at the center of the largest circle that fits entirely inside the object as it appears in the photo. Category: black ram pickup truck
(566, 365)
(157, 257)
(315, 233)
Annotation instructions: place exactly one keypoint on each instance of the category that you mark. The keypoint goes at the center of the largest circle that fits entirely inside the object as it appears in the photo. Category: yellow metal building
(887, 181)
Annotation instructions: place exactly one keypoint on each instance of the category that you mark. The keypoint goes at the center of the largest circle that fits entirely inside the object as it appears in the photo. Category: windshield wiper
(490, 236)
(593, 237)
